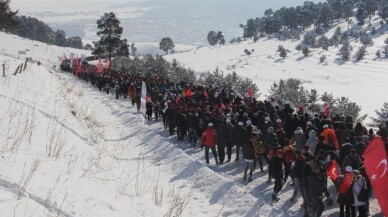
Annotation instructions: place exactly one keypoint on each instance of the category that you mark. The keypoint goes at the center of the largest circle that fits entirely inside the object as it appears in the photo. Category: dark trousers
(238, 152)
(362, 211)
(287, 171)
(164, 120)
(171, 126)
(221, 153)
(347, 211)
(278, 184)
(192, 136)
(249, 164)
(260, 160)
(317, 206)
(229, 151)
(207, 153)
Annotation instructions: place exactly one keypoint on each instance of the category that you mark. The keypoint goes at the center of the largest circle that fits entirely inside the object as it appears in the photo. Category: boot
(250, 179)
(217, 161)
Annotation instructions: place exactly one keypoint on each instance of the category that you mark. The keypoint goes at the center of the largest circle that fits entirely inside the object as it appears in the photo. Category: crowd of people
(288, 143)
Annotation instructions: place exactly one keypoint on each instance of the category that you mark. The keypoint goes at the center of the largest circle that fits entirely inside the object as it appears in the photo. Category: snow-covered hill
(363, 82)
(69, 150)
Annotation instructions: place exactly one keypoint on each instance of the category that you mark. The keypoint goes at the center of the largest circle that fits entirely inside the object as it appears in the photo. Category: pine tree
(282, 51)
(370, 7)
(7, 17)
(345, 50)
(361, 14)
(383, 10)
(309, 39)
(365, 39)
(348, 10)
(110, 42)
(360, 53)
(166, 44)
(335, 39)
(381, 116)
(212, 38)
(220, 38)
(324, 42)
(306, 51)
(60, 38)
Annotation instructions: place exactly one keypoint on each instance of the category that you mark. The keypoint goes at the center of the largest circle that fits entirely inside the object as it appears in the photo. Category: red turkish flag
(99, 66)
(250, 91)
(332, 170)
(375, 161)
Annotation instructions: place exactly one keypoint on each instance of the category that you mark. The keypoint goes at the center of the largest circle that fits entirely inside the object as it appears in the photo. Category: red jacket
(209, 138)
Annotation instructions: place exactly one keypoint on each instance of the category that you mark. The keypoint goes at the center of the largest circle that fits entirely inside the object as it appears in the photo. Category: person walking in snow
(249, 157)
(209, 140)
(312, 141)
(296, 171)
(289, 158)
(149, 107)
(156, 109)
(240, 138)
(229, 139)
(316, 185)
(276, 165)
(299, 139)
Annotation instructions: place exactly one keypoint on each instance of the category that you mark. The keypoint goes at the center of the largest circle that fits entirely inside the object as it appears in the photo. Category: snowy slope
(357, 80)
(93, 158)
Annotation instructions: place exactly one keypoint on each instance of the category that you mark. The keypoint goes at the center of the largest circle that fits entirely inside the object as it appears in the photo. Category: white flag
(143, 101)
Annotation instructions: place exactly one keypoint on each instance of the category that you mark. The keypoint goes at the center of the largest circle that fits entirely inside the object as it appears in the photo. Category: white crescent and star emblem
(382, 162)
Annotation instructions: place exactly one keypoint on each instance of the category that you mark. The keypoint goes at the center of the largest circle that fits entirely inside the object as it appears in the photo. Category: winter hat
(228, 120)
(228, 115)
(309, 123)
(278, 120)
(267, 118)
(249, 122)
(365, 138)
(240, 123)
(325, 126)
(254, 128)
(210, 124)
(349, 169)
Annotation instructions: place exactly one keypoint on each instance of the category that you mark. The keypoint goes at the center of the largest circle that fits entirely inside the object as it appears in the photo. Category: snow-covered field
(69, 150)
(363, 82)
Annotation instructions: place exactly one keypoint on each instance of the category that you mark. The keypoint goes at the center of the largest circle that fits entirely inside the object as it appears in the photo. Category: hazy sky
(187, 21)
(55, 5)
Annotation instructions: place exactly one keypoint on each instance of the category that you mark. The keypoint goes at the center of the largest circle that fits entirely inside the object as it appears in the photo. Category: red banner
(332, 170)
(375, 161)
(99, 66)
(250, 91)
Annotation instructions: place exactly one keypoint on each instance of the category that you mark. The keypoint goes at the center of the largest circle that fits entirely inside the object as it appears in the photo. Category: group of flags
(376, 166)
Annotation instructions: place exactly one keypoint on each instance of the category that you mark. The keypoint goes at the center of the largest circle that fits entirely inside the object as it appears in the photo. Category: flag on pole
(99, 66)
(250, 91)
(375, 161)
(143, 102)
